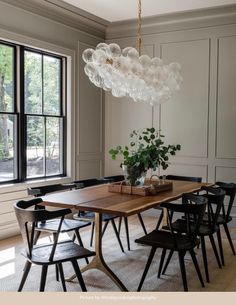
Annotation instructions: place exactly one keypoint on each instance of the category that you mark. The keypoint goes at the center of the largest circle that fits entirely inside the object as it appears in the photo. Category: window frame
(20, 168)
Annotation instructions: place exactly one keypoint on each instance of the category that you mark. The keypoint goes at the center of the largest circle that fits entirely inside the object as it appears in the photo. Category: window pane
(7, 147)
(53, 146)
(51, 85)
(6, 78)
(35, 146)
(33, 82)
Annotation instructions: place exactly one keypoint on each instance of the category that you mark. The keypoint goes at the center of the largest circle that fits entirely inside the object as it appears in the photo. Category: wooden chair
(55, 253)
(184, 178)
(90, 216)
(224, 217)
(68, 225)
(178, 178)
(208, 227)
(177, 241)
(118, 178)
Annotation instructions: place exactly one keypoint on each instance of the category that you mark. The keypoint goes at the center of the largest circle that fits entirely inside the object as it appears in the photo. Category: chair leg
(43, 277)
(36, 237)
(195, 262)
(142, 223)
(163, 254)
(215, 250)
(80, 243)
(61, 272)
(220, 247)
(150, 258)
(25, 274)
(204, 256)
(119, 225)
(92, 233)
(56, 267)
(168, 261)
(127, 232)
(182, 269)
(104, 228)
(159, 221)
(117, 234)
(229, 237)
(78, 275)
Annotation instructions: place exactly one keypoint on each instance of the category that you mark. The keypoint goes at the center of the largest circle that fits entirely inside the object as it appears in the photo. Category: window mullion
(22, 120)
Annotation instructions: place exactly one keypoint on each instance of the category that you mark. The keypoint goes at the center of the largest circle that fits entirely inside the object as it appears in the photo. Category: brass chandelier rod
(139, 37)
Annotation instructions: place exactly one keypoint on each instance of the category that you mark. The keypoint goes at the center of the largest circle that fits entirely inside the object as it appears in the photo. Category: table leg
(98, 260)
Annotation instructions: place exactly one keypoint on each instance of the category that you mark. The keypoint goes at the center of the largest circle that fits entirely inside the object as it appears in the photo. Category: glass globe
(99, 57)
(145, 61)
(114, 49)
(87, 55)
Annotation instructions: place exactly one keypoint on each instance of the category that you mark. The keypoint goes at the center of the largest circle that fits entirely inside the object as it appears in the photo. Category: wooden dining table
(98, 199)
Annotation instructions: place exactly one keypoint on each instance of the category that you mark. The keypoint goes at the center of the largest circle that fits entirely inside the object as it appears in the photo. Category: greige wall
(201, 117)
(55, 29)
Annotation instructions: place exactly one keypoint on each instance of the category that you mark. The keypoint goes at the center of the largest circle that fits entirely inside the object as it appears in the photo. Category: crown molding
(195, 19)
(64, 13)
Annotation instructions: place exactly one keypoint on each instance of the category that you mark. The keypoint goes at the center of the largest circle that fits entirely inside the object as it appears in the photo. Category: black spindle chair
(177, 241)
(90, 216)
(51, 226)
(208, 227)
(29, 214)
(118, 178)
(224, 217)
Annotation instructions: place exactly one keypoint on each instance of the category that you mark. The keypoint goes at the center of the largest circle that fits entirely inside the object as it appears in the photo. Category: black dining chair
(183, 178)
(208, 227)
(90, 216)
(29, 214)
(119, 178)
(51, 226)
(68, 225)
(180, 242)
(224, 217)
(177, 178)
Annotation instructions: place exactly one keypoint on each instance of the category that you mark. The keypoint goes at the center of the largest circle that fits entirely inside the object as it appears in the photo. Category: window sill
(14, 187)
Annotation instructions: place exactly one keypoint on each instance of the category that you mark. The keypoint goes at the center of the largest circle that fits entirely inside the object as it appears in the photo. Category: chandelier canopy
(129, 73)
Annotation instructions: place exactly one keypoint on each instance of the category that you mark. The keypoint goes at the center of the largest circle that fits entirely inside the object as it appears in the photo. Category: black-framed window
(32, 113)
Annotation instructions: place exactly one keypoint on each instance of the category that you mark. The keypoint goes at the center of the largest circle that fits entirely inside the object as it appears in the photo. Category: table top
(99, 199)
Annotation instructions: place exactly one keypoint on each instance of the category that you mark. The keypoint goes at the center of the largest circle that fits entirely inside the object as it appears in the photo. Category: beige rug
(128, 266)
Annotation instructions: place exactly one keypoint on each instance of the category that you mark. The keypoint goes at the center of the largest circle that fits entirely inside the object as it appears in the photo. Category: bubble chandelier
(129, 73)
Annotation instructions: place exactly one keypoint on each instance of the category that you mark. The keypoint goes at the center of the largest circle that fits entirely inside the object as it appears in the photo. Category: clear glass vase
(134, 176)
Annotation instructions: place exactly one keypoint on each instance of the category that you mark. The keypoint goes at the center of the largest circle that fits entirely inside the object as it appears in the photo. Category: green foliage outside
(146, 151)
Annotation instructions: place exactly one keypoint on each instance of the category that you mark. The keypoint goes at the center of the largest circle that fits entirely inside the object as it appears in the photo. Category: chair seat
(220, 220)
(91, 215)
(67, 225)
(65, 251)
(204, 229)
(164, 239)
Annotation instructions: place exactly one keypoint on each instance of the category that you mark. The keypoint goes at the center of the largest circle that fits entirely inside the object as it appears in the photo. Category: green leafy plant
(146, 151)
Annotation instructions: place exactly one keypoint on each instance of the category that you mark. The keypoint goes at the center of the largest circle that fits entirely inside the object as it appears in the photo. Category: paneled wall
(201, 116)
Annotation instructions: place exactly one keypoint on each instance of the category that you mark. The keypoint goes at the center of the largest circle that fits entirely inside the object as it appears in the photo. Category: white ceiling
(116, 10)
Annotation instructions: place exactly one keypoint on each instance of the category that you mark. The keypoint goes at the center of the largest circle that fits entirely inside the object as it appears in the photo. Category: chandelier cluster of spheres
(125, 73)
(128, 73)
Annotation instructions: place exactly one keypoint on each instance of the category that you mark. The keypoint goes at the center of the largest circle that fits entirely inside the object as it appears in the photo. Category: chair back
(184, 178)
(87, 182)
(28, 215)
(43, 190)
(215, 198)
(115, 178)
(230, 191)
(193, 214)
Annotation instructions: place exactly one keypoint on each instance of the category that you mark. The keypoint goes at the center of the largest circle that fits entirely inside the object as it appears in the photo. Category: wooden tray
(149, 188)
